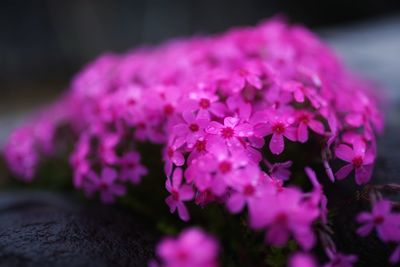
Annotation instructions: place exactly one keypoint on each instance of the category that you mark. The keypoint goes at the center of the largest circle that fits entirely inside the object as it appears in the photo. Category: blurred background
(44, 42)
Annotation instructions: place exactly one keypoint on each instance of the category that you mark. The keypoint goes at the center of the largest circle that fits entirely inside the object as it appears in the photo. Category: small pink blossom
(395, 256)
(232, 128)
(205, 104)
(302, 92)
(279, 170)
(191, 130)
(131, 168)
(301, 259)
(79, 160)
(245, 184)
(179, 193)
(106, 148)
(249, 74)
(279, 127)
(386, 223)
(172, 156)
(106, 184)
(306, 120)
(359, 158)
(192, 248)
(284, 216)
(340, 260)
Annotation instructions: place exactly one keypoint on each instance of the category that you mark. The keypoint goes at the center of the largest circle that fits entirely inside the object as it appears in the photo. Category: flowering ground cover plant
(240, 122)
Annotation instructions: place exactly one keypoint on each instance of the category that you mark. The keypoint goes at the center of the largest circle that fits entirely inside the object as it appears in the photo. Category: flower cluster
(227, 109)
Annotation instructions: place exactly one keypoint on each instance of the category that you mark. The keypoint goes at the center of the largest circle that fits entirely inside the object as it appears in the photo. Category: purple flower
(205, 104)
(232, 128)
(249, 74)
(213, 171)
(395, 256)
(20, 153)
(340, 260)
(179, 193)
(190, 131)
(172, 156)
(279, 170)
(359, 158)
(306, 120)
(193, 248)
(386, 223)
(79, 160)
(279, 127)
(106, 184)
(245, 184)
(302, 92)
(301, 259)
(106, 148)
(283, 214)
(131, 169)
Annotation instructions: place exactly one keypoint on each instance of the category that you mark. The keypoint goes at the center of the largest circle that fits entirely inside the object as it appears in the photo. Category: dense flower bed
(240, 116)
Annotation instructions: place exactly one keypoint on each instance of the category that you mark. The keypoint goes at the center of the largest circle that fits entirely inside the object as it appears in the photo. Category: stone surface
(46, 229)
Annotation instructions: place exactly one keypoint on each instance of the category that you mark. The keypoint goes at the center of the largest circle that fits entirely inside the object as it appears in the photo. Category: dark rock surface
(46, 229)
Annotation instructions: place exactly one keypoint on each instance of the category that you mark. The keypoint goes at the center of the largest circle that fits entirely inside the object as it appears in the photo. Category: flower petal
(344, 152)
(276, 145)
(363, 174)
(344, 171)
(262, 129)
(183, 212)
(235, 203)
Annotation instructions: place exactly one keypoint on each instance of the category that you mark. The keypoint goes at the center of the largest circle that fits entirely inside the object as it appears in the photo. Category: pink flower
(165, 98)
(214, 170)
(172, 156)
(179, 194)
(386, 223)
(283, 214)
(306, 120)
(79, 161)
(193, 248)
(190, 131)
(249, 74)
(301, 259)
(340, 260)
(106, 148)
(106, 184)
(20, 153)
(279, 127)
(205, 104)
(395, 256)
(279, 170)
(232, 128)
(245, 183)
(302, 92)
(360, 159)
(131, 169)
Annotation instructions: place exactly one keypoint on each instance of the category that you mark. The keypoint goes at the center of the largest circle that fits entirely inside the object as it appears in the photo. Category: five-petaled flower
(179, 193)
(359, 158)
(386, 223)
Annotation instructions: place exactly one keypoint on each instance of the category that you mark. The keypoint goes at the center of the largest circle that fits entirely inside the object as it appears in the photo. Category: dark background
(44, 42)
